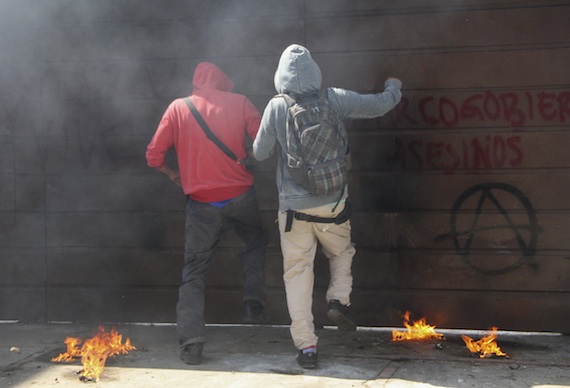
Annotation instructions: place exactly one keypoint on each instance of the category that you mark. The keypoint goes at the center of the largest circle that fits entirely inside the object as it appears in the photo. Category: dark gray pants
(205, 224)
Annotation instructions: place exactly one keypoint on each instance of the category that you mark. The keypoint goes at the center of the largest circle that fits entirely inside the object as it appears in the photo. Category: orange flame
(95, 351)
(486, 346)
(72, 350)
(417, 331)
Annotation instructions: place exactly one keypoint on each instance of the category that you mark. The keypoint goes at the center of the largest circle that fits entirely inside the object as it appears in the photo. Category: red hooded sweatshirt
(206, 173)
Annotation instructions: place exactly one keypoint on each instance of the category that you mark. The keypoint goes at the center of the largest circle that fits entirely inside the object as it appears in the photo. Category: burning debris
(94, 352)
(486, 346)
(419, 330)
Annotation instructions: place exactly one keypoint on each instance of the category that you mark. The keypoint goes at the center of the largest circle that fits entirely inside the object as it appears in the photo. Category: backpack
(317, 144)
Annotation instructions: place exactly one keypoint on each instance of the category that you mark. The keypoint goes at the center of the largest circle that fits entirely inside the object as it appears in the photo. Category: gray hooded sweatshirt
(298, 74)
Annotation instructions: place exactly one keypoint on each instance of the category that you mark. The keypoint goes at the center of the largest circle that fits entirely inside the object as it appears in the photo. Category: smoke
(83, 85)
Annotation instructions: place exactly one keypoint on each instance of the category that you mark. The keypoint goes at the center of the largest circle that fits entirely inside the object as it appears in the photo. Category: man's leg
(299, 247)
(243, 215)
(203, 224)
(338, 247)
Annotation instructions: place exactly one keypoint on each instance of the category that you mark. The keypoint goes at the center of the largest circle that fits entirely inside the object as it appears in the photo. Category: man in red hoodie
(220, 196)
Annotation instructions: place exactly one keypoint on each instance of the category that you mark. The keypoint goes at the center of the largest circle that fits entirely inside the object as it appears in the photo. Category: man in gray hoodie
(299, 75)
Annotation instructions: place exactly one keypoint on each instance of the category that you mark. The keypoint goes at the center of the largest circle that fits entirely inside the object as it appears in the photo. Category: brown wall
(460, 194)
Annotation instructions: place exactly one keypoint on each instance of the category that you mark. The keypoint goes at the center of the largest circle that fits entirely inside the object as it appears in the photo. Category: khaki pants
(299, 247)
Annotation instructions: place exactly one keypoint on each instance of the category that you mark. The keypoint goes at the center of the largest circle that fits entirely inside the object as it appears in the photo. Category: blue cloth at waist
(221, 204)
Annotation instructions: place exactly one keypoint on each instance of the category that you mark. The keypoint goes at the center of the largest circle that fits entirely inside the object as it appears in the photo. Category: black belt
(341, 218)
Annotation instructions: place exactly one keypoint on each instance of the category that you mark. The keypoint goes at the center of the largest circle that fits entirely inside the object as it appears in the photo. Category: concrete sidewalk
(263, 356)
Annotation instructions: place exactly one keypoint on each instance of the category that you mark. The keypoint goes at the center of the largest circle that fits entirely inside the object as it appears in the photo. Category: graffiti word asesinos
(491, 151)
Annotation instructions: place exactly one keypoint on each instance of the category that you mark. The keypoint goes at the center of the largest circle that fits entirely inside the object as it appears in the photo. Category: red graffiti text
(516, 109)
(492, 151)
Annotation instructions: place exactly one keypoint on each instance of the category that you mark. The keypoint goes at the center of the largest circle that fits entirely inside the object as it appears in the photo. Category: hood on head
(209, 76)
(297, 72)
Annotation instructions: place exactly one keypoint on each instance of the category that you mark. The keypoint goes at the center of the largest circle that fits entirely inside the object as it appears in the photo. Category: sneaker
(340, 315)
(308, 360)
(252, 312)
(192, 353)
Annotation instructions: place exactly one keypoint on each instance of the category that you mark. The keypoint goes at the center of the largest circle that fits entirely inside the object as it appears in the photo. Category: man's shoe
(308, 360)
(252, 312)
(192, 354)
(340, 315)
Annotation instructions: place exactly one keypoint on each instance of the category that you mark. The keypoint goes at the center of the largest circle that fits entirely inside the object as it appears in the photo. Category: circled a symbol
(480, 213)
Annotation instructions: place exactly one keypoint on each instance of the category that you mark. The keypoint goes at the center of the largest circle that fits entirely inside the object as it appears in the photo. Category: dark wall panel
(112, 304)
(514, 230)
(507, 310)
(22, 230)
(376, 192)
(440, 270)
(423, 71)
(479, 28)
(22, 267)
(84, 304)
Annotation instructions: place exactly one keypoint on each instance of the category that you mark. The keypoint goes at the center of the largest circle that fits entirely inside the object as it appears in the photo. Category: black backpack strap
(209, 134)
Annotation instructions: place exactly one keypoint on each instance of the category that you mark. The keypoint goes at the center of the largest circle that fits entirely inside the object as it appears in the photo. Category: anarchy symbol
(487, 198)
